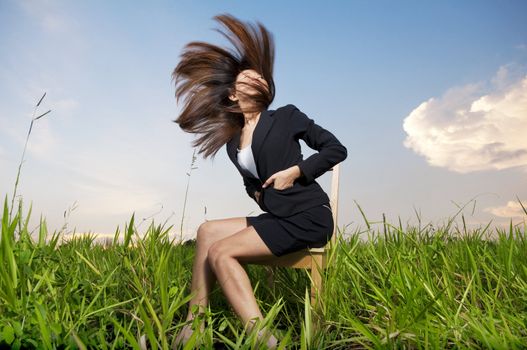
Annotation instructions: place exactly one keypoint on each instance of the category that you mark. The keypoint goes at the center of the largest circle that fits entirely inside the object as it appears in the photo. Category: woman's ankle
(253, 324)
(194, 319)
(265, 336)
(195, 310)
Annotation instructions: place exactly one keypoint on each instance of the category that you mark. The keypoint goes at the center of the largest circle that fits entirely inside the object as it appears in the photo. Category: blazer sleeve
(249, 188)
(330, 150)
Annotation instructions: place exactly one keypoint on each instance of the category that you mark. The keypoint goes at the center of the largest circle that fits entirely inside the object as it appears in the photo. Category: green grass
(415, 288)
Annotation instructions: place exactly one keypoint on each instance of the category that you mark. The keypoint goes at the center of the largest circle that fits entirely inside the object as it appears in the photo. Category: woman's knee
(206, 234)
(216, 255)
(214, 230)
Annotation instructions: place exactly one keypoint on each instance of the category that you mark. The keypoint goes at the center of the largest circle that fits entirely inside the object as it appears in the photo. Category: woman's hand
(284, 178)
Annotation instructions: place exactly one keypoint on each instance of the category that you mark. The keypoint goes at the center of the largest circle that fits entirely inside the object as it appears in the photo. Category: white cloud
(466, 131)
(112, 199)
(512, 209)
(57, 98)
(47, 13)
(111, 182)
(44, 140)
(65, 105)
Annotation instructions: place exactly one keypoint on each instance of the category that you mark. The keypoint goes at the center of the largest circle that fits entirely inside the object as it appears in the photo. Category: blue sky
(430, 99)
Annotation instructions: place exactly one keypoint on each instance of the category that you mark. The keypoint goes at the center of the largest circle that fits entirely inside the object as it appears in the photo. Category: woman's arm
(330, 150)
(249, 188)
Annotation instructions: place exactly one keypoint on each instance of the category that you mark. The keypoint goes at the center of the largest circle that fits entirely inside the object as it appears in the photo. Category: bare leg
(225, 258)
(203, 277)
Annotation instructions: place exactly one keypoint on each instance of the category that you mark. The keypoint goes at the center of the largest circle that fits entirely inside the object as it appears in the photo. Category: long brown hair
(206, 76)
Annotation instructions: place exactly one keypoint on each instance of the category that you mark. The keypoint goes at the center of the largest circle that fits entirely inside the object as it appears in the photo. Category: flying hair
(205, 77)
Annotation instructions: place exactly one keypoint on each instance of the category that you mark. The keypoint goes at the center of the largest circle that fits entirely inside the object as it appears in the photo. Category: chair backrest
(334, 200)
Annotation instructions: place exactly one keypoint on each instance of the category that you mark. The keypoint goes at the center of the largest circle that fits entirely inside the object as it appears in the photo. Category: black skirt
(311, 228)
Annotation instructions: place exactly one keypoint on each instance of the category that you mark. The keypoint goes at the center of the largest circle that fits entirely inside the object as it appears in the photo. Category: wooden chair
(313, 259)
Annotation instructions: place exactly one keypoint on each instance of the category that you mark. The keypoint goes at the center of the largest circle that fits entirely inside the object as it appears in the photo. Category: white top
(246, 160)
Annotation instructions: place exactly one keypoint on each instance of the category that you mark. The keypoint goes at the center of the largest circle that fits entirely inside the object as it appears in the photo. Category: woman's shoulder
(284, 110)
(287, 107)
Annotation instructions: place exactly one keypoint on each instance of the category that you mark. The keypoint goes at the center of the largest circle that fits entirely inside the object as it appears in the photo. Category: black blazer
(275, 146)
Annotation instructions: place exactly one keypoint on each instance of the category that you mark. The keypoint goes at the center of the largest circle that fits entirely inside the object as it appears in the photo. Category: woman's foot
(264, 336)
(267, 338)
(184, 335)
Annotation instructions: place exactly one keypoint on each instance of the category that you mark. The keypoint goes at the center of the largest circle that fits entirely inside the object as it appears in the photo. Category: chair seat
(299, 259)
(316, 250)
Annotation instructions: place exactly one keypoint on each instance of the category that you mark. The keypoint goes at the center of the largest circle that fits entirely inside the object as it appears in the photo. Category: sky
(429, 98)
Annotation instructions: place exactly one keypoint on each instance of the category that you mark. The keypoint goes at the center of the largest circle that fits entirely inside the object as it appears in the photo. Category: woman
(227, 95)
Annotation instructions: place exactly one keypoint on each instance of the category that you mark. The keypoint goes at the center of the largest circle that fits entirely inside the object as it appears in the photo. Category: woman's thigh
(246, 246)
(214, 230)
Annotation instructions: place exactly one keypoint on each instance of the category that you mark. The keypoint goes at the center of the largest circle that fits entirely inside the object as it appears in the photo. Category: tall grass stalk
(33, 119)
(186, 193)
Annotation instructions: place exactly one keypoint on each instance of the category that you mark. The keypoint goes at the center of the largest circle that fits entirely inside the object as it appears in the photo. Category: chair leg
(316, 276)
(316, 291)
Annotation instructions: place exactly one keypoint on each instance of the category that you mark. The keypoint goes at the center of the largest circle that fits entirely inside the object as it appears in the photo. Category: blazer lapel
(260, 132)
